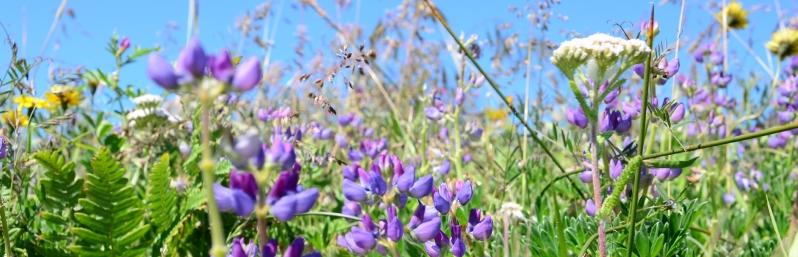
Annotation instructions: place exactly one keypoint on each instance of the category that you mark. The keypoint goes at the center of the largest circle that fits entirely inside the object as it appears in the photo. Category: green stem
(641, 140)
(728, 140)
(329, 214)
(207, 166)
(559, 177)
(6, 240)
(495, 87)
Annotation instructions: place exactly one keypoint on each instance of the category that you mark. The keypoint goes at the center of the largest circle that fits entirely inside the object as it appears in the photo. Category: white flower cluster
(148, 100)
(601, 47)
(148, 110)
(512, 210)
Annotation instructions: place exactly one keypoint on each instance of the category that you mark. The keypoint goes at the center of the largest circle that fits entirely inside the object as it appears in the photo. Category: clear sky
(81, 40)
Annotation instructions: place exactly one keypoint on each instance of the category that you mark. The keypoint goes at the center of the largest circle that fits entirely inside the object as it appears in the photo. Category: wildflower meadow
(310, 128)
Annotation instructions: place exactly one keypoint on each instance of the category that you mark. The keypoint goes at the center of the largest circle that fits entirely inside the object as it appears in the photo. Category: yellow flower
(736, 16)
(27, 102)
(15, 118)
(784, 43)
(64, 96)
(496, 114)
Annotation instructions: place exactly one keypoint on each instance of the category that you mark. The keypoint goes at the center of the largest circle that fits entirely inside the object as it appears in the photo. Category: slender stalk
(495, 87)
(641, 139)
(724, 141)
(602, 236)
(207, 166)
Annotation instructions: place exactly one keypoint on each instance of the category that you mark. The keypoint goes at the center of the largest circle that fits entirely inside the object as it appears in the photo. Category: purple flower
(377, 184)
(161, 72)
(244, 181)
(464, 191)
(586, 176)
(345, 120)
(296, 248)
(353, 191)
(443, 168)
(241, 249)
(4, 147)
(248, 151)
(433, 113)
(233, 200)
(192, 59)
(432, 249)
(247, 75)
(351, 208)
(480, 229)
(418, 216)
(281, 153)
(427, 230)
(357, 241)
(639, 70)
(405, 181)
(729, 198)
(221, 66)
(289, 206)
(779, 140)
(459, 96)
(458, 247)
(422, 187)
(720, 79)
(660, 173)
(393, 228)
(590, 208)
(677, 112)
(576, 117)
(442, 198)
(616, 168)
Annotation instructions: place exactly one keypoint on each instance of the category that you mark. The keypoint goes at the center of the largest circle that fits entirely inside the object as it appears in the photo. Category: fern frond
(161, 199)
(111, 221)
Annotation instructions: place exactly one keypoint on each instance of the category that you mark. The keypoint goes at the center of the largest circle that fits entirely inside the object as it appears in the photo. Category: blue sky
(82, 40)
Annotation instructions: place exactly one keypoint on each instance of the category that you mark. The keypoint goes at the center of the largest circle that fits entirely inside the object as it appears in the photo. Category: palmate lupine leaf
(58, 192)
(110, 223)
(161, 198)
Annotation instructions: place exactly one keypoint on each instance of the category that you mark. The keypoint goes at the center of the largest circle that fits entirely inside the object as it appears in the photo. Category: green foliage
(161, 198)
(111, 221)
(58, 192)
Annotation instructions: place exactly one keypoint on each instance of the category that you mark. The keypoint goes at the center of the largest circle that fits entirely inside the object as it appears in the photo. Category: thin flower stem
(6, 240)
(218, 248)
(330, 214)
(641, 140)
(596, 181)
(495, 87)
(725, 141)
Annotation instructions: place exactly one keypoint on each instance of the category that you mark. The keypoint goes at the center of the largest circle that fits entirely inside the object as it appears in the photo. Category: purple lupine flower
(778, 140)
(418, 216)
(221, 67)
(351, 208)
(586, 176)
(244, 181)
(353, 191)
(443, 168)
(576, 117)
(720, 79)
(233, 200)
(422, 187)
(464, 191)
(351, 172)
(716, 57)
(442, 198)
(345, 120)
(432, 113)
(677, 112)
(639, 70)
(237, 248)
(729, 198)
(280, 153)
(701, 51)
(393, 228)
(296, 248)
(459, 97)
(660, 173)
(289, 206)
(249, 152)
(427, 230)
(357, 241)
(479, 228)
(458, 247)
(616, 168)
(376, 183)
(590, 208)
(4, 147)
(270, 249)
(161, 72)
(405, 181)
(192, 60)
(247, 75)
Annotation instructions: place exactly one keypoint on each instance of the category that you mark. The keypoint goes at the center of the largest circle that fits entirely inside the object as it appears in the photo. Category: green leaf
(161, 198)
(111, 222)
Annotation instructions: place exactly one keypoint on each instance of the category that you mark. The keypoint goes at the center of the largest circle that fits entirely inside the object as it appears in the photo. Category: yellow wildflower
(27, 102)
(736, 16)
(496, 114)
(784, 43)
(64, 96)
(15, 118)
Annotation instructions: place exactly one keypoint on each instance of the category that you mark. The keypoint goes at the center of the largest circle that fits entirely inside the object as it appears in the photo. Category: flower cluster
(602, 48)
(193, 64)
(296, 249)
(736, 17)
(784, 43)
